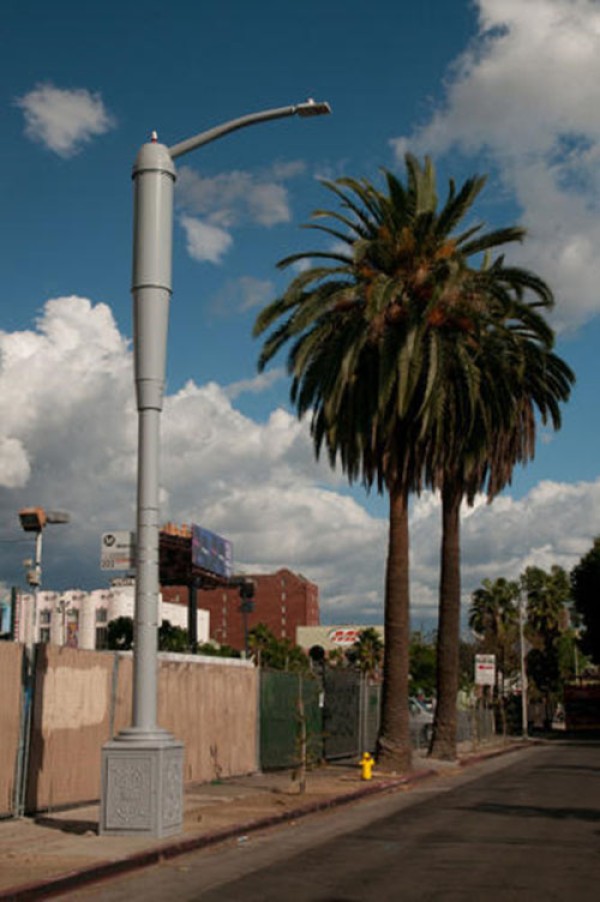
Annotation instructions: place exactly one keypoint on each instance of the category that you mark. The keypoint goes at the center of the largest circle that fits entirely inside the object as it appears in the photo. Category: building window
(101, 628)
(44, 634)
(72, 631)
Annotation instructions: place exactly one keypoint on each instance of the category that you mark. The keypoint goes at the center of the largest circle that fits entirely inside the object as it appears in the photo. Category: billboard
(211, 552)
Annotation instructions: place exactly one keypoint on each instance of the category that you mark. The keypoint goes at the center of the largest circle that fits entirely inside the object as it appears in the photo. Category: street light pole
(524, 686)
(142, 767)
(35, 519)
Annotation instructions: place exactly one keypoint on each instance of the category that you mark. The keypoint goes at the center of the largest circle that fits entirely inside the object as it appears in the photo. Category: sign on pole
(117, 551)
(485, 670)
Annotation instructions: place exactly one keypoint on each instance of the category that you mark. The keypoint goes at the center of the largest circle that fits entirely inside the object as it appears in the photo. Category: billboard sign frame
(211, 552)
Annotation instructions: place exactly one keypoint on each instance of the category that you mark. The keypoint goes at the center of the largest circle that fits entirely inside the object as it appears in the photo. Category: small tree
(422, 665)
(172, 638)
(585, 587)
(548, 596)
(278, 654)
(368, 650)
(120, 634)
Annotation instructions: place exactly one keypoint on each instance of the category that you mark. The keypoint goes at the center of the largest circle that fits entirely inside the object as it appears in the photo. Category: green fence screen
(283, 697)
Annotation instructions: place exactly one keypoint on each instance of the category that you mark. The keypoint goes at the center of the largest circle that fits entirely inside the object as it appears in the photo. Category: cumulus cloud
(242, 294)
(68, 433)
(14, 463)
(62, 119)
(525, 94)
(232, 199)
(256, 385)
(205, 242)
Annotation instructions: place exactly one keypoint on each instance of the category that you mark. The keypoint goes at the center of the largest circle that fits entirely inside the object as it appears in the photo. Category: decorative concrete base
(142, 785)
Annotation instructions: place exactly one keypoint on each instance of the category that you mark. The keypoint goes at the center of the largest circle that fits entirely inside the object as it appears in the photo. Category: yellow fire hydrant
(366, 766)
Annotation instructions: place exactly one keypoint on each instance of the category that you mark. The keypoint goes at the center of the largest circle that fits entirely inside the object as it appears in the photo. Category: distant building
(332, 637)
(80, 619)
(283, 601)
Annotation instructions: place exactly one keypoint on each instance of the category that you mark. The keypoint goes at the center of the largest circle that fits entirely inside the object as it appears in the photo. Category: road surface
(524, 827)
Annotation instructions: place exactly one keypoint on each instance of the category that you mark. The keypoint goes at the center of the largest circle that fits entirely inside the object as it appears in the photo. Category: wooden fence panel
(11, 667)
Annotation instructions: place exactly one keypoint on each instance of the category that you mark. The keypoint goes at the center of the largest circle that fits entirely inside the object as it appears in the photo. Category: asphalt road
(527, 828)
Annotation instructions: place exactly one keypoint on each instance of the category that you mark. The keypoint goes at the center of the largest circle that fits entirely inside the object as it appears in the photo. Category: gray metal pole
(142, 768)
(524, 687)
(154, 180)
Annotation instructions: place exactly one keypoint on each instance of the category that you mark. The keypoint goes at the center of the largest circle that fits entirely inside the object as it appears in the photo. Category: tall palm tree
(520, 379)
(548, 596)
(384, 334)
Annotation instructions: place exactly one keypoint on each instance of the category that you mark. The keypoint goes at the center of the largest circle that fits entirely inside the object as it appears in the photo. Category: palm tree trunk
(394, 751)
(444, 727)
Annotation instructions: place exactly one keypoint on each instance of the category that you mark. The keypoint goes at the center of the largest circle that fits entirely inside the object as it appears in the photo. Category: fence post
(25, 727)
(114, 685)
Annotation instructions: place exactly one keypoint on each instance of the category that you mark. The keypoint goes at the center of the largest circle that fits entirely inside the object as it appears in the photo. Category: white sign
(485, 670)
(117, 551)
(345, 636)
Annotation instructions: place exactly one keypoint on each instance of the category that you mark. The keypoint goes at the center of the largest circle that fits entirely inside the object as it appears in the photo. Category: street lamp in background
(524, 686)
(35, 519)
(142, 767)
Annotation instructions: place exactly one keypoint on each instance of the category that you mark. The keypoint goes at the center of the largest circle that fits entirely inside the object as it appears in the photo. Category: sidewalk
(57, 852)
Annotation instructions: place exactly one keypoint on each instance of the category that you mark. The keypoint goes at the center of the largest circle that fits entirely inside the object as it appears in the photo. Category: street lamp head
(57, 517)
(313, 108)
(33, 519)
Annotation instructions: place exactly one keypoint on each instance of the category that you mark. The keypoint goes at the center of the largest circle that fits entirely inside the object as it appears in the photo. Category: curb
(496, 753)
(52, 886)
(95, 873)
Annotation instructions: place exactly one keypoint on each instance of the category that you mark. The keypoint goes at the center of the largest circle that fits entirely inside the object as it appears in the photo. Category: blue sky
(494, 86)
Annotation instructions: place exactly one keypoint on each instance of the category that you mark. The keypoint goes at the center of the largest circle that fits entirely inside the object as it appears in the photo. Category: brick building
(282, 601)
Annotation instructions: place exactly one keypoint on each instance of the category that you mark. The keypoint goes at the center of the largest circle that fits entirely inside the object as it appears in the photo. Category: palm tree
(548, 620)
(518, 376)
(493, 610)
(369, 651)
(387, 338)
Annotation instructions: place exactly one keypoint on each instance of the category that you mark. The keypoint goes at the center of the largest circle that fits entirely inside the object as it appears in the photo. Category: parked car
(421, 723)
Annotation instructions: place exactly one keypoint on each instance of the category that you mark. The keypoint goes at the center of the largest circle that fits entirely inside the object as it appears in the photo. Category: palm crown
(411, 357)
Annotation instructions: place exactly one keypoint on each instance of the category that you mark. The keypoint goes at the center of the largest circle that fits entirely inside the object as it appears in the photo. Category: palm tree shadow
(562, 814)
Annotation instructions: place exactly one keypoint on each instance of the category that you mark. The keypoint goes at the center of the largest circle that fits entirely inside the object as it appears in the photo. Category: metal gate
(351, 713)
(341, 713)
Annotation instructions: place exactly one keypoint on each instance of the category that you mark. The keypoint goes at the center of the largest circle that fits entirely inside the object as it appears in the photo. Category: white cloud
(205, 242)
(64, 120)
(256, 385)
(525, 93)
(14, 463)
(244, 293)
(232, 199)
(68, 431)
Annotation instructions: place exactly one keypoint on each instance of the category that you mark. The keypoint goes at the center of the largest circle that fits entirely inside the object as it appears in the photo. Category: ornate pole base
(142, 785)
